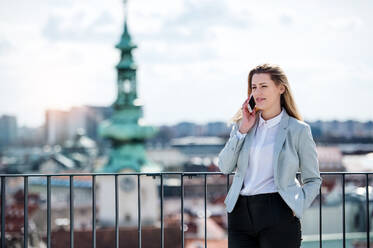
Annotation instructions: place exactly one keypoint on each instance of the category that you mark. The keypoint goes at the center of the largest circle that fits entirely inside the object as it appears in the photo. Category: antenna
(125, 2)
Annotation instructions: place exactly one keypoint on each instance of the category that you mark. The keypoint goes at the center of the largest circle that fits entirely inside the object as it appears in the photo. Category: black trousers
(263, 221)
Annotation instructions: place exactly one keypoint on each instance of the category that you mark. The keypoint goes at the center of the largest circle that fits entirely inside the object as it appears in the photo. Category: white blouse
(259, 176)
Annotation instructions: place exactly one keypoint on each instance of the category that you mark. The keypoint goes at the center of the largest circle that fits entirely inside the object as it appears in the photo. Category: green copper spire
(126, 129)
(126, 67)
(125, 44)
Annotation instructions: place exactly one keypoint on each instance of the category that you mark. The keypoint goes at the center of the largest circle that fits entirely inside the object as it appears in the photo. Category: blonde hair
(278, 76)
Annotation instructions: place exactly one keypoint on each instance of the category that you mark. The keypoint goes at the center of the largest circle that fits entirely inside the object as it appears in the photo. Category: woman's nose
(256, 93)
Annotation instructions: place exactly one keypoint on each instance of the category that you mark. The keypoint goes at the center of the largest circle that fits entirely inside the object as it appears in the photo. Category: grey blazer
(294, 150)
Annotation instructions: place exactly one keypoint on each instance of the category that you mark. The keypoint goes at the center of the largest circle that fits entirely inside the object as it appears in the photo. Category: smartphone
(251, 104)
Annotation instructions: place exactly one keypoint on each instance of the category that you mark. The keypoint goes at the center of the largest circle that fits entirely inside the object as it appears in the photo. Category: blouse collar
(271, 122)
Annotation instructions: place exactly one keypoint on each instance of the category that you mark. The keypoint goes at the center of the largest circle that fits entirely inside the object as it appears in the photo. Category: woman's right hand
(248, 119)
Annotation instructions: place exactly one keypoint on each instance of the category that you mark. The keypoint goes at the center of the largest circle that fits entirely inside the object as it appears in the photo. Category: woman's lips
(260, 99)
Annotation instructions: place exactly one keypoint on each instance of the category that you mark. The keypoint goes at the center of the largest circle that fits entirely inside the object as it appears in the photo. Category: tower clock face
(127, 86)
(127, 184)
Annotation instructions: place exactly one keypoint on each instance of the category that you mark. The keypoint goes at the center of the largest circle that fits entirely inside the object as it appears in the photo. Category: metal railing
(161, 175)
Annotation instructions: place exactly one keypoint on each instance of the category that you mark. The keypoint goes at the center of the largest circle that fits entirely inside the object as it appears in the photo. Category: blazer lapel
(248, 140)
(279, 140)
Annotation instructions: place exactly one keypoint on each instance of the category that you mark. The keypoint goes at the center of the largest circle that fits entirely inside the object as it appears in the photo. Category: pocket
(299, 232)
(296, 218)
(285, 210)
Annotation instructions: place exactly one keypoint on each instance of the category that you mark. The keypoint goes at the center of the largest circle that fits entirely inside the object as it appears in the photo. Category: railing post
(227, 183)
(343, 210)
(162, 227)
(49, 243)
(25, 211)
(116, 211)
(205, 202)
(3, 209)
(182, 208)
(71, 211)
(139, 211)
(93, 211)
(320, 217)
(367, 207)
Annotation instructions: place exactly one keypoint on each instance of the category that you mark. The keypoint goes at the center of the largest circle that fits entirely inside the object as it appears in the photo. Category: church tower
(126, 129)
(127, 134)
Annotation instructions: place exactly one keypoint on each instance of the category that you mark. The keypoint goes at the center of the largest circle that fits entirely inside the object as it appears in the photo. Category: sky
(193, 56)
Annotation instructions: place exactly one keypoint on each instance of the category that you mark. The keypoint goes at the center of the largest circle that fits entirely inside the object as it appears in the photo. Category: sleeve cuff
(240, 135)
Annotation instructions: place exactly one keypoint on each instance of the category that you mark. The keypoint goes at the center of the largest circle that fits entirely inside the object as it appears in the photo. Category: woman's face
(266, 93)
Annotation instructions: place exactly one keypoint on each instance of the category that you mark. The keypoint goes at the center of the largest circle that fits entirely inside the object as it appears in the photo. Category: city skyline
(190, 55)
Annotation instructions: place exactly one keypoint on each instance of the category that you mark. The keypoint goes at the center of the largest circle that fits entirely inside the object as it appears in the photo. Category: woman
(266, 148)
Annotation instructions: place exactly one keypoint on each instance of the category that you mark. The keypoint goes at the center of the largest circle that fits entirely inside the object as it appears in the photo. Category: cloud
(346, 24)
(196, 21)
(208, 13)
(188, 36)
(5, 47)
(286, 20)
(103, 19)
(81, 28)
(159, 52)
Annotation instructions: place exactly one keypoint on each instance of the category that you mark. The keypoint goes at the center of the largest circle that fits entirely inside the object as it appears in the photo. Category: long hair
(278, 76)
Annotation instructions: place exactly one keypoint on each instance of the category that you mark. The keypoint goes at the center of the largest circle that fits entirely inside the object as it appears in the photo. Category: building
(63, 125)
(8, 130)
(56, 122)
